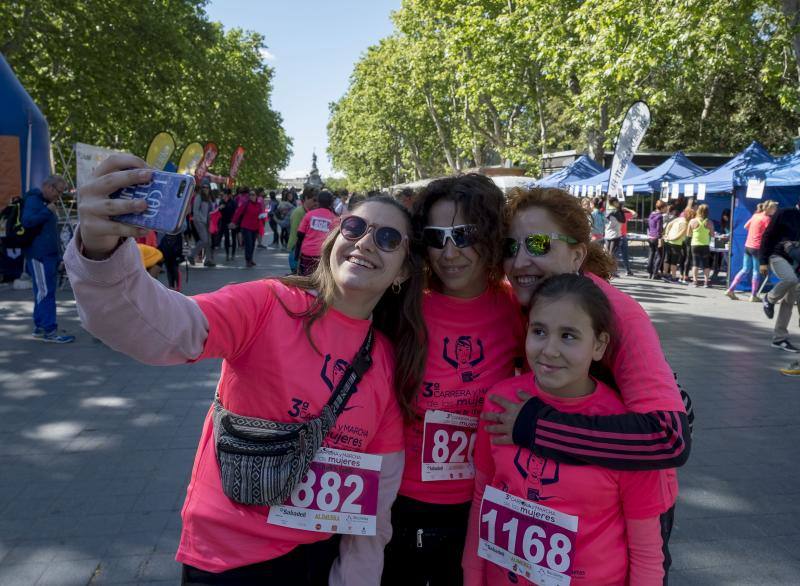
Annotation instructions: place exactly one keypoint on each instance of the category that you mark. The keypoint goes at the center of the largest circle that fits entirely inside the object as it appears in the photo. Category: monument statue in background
(314, 180)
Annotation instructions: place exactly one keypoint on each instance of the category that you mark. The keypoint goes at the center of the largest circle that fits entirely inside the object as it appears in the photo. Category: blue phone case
(168, 196)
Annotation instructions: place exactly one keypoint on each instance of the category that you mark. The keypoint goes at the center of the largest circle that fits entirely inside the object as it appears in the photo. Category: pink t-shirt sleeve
(303, 227)
(235, 314)
(643, 493)
(390, 438)
(636, 358)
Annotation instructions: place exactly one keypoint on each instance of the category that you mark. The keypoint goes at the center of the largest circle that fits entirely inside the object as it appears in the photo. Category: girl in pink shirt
(755, 227)
(547, 236)
(475, 332)
(539, 521)
(320, 321)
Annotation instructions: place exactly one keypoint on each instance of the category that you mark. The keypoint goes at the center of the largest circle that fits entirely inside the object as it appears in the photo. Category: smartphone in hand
(168, 197)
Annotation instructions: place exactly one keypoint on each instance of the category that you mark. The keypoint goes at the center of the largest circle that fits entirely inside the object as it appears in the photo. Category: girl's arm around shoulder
(133, 313)
(360, 561)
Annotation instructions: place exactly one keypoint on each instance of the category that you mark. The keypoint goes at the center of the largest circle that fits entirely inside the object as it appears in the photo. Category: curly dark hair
(481, 202)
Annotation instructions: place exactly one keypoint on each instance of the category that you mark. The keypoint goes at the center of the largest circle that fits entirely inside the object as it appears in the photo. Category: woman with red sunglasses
(474, 334)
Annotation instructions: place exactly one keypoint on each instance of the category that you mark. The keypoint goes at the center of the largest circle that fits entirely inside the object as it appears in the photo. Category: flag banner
(209, 155)
(190, 159)
(631, 133)
(236, 160)
(87, 158)
(161, 148)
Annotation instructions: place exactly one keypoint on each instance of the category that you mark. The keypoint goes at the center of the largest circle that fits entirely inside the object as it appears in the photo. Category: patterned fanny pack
(261, 460)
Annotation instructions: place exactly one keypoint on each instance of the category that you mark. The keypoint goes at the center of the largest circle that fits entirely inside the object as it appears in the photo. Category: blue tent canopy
(633, 170)
(581, 168)
(19, 116)
(678, 166)
(781, 172)
(721, 179)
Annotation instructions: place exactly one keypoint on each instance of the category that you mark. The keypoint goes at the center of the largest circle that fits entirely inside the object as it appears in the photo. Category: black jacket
(784, 227)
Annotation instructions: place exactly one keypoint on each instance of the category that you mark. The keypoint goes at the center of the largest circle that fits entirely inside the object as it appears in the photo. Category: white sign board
(676, 191)
(755, 188)
(688, 190)
(701, 192)
(87, 158)
(629, 190)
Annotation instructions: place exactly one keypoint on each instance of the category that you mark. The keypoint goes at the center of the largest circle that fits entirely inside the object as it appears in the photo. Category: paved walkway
(96, 449)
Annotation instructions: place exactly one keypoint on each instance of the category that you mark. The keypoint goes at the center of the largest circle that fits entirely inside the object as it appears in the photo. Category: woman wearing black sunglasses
(549, 235)
(368, 275)
(475, 332)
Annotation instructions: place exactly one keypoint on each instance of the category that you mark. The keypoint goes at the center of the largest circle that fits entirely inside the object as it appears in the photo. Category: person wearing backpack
(43, 256)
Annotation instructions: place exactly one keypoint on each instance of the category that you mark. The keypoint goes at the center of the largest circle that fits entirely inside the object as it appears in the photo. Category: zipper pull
(419, 538)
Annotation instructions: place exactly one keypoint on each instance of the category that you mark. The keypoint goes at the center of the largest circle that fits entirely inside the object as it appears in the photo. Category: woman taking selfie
(368, 278)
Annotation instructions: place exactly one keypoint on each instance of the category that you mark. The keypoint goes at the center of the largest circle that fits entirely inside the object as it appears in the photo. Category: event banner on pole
(236, 160)
(87, 158)
(161, 148)
(631, 133)
(209, 156)
(191, 157)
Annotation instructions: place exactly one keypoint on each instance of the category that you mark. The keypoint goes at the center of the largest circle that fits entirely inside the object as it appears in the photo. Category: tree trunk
(540, 109)
(708, 98)
(791, 10)
(597, 137)
(440, 132)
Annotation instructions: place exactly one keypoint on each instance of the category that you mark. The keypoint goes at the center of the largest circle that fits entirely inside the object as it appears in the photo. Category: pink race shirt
(315, 225)
(756, 226)
(601, 499)
(472, 344)
(271, 371)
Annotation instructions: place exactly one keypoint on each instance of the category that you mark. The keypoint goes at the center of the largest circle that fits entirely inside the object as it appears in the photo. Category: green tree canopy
(505, 81)
(114, 73)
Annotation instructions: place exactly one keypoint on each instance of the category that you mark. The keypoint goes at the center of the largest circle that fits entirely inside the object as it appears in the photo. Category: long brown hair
(397, 315)
(567, 213)
(482, 203)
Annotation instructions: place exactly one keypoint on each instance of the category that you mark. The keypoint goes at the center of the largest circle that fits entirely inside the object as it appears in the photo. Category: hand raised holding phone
(99, 233)
(128, 199)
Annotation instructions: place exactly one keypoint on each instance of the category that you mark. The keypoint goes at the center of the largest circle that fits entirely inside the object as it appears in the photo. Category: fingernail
(145, 174)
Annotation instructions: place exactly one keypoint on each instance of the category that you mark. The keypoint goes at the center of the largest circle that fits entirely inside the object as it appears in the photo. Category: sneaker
(191, 260)
(38, 333)
(209, 263)
(54, 338)
(785, 345)
(261, 246)
(755, 299)
(629, 273)
(769, 307)
(731, 295)
(707, 285)
(792, 370)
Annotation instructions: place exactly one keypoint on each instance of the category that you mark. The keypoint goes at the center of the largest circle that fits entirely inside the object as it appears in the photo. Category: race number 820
(455, 447)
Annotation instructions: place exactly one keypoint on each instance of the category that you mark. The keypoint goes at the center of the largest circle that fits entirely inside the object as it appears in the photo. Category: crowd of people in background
(680, 238)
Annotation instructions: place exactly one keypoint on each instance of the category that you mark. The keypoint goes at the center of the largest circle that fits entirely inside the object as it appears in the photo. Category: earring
(396, 288)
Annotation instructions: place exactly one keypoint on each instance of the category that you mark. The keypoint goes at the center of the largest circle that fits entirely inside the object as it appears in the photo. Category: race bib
(338, 494)
(527, 538)
(320, 224)
(448, 442)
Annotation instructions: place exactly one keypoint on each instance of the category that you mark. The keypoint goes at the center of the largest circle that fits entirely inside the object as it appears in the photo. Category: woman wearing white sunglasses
(475, 332)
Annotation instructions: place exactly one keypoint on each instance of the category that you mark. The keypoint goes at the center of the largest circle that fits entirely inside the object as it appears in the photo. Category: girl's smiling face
(561, 345)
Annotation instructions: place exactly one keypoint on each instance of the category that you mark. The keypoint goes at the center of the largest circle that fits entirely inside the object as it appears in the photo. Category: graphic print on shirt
(463, 360)
(320, 224)
(339, 369)
(300, 406)
(537, 472)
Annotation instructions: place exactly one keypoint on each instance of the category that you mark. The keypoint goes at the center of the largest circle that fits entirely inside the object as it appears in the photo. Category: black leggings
(438, 561)
(305, 565)
(230, 240)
